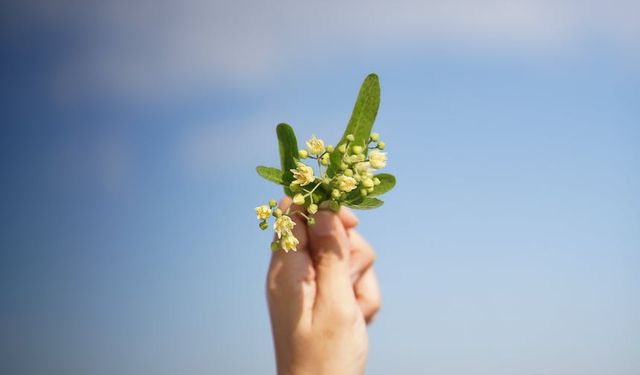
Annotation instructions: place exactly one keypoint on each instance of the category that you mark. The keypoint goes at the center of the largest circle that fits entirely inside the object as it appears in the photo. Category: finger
(291, 275)
(348, 218)
(362, 255)
(368, 295)
(329, 249)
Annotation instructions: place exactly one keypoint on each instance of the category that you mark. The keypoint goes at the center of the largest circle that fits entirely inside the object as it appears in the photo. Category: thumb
(329, 249)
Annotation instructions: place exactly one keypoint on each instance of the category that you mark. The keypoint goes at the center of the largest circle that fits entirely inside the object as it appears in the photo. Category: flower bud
(348, 172)
(311, 221)
(342, 148)
(303, 154)
(381, 145)
(298, 199)
(357, 150)
(361, 168)
(350, 137)
(275, 245)
(351, 159)
(370, 190)
(334, 206)
(363, 192)
(325, 161)
(376, 181)
(335, 193)
(264, 225)
(329, 148)
(375, 137)
(272, 203)
(368, 183)
(277, 212)
(312, 209)
(294, 187)
(343, 166)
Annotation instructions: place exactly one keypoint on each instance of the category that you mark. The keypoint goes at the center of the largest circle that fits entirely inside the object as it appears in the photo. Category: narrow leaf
(270, 174)
(387, 182)
(288, 153)
(362, 118)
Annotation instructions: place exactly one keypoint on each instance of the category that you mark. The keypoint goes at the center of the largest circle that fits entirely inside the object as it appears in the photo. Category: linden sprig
(344, 175)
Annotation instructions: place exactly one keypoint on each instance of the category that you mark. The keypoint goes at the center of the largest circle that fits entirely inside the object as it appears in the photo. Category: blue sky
(130, 131)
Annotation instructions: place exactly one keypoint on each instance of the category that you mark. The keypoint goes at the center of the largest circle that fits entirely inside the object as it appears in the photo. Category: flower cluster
(357, 167)
(344, 175)
(283, 225)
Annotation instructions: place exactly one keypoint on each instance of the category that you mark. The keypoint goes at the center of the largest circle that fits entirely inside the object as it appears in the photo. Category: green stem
(314, 189)
(301, 213)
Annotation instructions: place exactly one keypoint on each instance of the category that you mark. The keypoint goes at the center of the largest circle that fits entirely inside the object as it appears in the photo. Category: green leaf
(288, 153)
(365, 203)
(270, 174)
(387, 182)
(362, 119)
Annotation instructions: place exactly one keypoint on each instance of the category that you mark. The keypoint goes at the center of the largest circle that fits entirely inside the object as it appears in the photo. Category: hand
(321, 297)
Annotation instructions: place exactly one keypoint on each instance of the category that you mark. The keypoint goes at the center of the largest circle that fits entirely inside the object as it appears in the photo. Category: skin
(322, 297)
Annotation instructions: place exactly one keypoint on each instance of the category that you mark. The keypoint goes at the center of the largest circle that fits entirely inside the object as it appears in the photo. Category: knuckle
(371, 258)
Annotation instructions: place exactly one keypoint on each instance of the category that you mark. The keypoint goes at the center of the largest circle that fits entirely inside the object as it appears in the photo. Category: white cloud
(152, 46)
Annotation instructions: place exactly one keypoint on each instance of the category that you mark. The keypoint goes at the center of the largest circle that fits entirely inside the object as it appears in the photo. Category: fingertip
(285, 202)
(349, 219)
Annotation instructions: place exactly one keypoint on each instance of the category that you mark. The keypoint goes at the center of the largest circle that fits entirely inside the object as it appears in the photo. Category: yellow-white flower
(263, 212)
(377, 159)
(289, 242)
(362, 168)
(283, 226)
(315, 145)
(346, 183)
(303, 174)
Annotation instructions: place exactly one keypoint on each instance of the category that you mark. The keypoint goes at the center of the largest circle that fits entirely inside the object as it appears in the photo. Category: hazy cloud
(151, 46)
